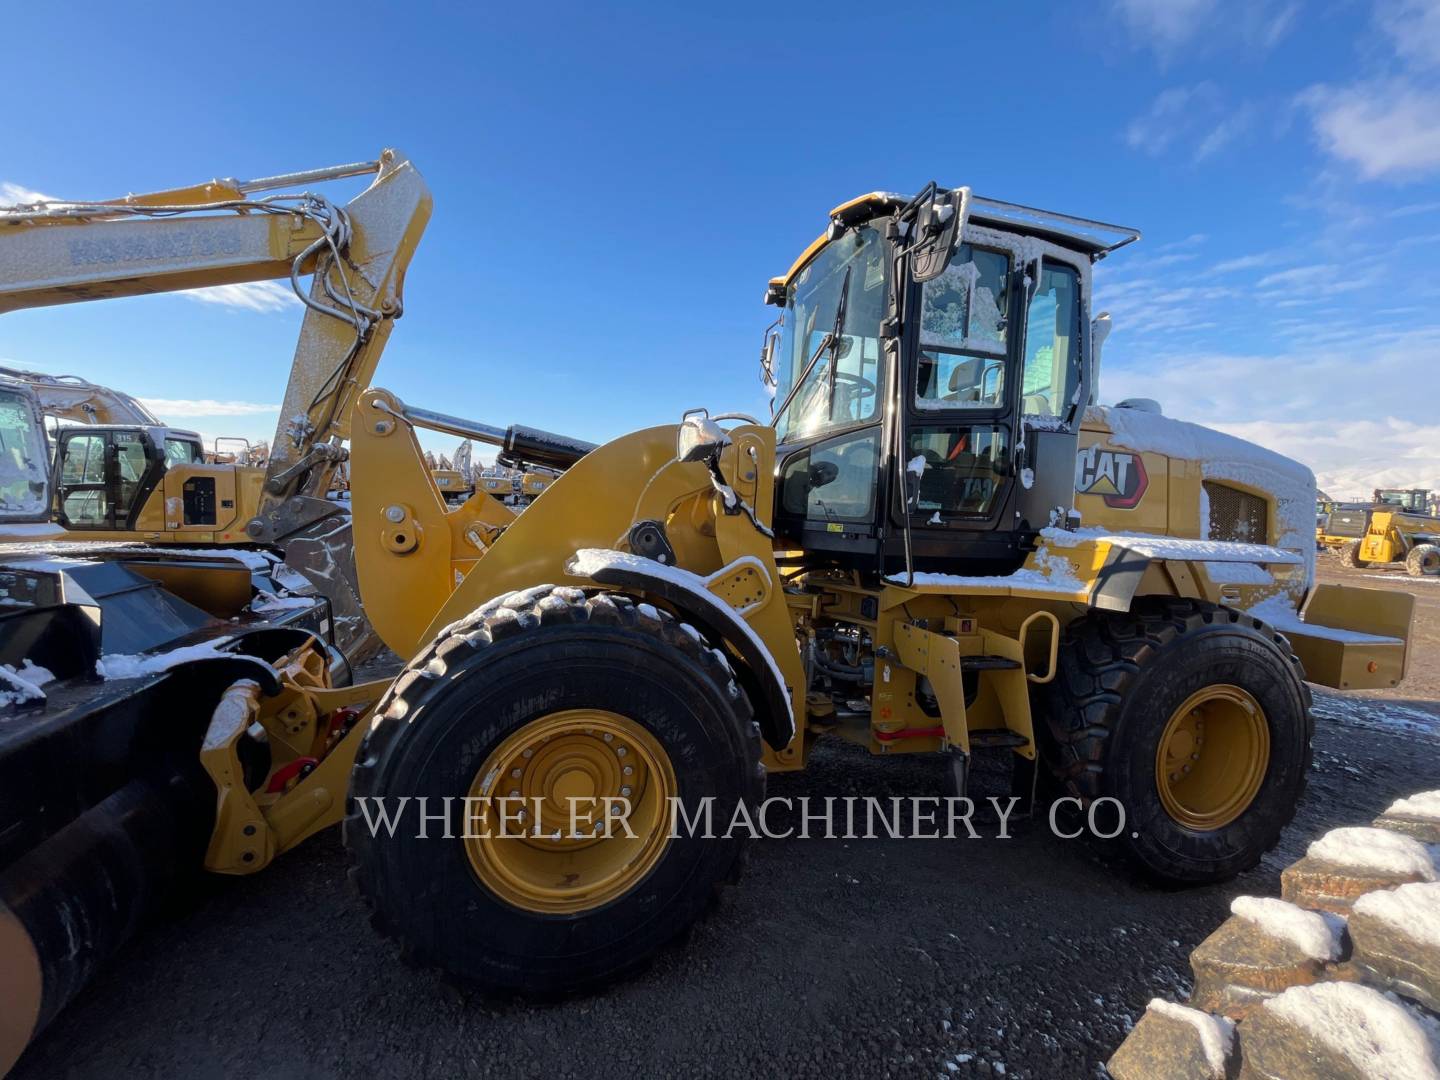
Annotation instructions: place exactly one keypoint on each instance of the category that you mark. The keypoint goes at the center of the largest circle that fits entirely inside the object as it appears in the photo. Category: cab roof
(1093, 238)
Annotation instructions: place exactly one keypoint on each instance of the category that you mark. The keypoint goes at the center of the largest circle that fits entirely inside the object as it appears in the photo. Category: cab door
(103, 476)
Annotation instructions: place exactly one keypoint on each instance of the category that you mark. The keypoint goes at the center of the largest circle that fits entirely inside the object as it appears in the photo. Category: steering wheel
(857, 388)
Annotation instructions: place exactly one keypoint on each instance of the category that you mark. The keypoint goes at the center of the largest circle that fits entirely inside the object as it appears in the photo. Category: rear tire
(1350, 556)
(520, 663)
(1125, 680)
(1423, 560)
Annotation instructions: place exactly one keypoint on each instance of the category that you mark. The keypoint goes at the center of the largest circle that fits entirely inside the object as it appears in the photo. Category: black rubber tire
(1423, 560)
(1350, 556)
(520, 657)
(1121, 677)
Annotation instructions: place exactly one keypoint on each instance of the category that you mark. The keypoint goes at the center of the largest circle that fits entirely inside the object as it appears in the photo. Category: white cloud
(1414, 29)
(16, 195)
(1388, 128)
(1167, 25)
(1164, 23)
(172, 408)
(1196, 117)
(264, 296)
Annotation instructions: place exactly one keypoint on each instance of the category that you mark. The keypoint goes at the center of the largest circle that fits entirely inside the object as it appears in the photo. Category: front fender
(688, 593)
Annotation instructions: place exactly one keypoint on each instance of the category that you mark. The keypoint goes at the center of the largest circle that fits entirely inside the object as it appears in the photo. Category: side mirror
(939, 227)
(767, 353)
(822, 473)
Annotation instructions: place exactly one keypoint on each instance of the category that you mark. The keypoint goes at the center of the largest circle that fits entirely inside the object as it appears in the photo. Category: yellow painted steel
(252, 827)
(1212, 757)
(1370, 651)
(569, 812)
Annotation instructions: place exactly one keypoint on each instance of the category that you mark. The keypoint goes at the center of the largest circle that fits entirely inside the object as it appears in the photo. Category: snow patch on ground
(1306, 930)
(1413, 909)
(1217, 1034)
(1378, 850)
(1425, 806)
(1378, 1036)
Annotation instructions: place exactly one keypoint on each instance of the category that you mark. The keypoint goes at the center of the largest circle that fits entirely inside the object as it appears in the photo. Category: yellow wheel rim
(1212, 757)
(569, 812)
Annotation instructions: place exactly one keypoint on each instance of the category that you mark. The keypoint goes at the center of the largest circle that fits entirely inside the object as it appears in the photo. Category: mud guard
(757, 675)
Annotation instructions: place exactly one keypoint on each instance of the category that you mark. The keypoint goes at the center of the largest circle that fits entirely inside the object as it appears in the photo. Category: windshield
(24, 481)
(182, 452)
(841, 388)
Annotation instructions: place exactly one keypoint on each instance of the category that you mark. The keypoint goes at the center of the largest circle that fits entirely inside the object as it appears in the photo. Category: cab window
(23, 467)
(964, 328)
(1052, 344)
(130, 459)
(182, 452)
(964, 469)
(845, 285)
(833, 481)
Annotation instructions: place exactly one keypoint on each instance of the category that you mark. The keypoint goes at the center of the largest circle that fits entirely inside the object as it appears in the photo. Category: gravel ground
(1026, 957)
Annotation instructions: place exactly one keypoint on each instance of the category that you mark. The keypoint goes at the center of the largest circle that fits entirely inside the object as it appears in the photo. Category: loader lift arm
(223, 233)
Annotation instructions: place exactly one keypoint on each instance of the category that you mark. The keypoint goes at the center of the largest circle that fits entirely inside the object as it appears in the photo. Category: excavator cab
(105, 474)
(955, 437)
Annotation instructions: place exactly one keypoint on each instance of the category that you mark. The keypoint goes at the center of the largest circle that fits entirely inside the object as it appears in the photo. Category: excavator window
(104, 476)
(84, 500)
(182, 452)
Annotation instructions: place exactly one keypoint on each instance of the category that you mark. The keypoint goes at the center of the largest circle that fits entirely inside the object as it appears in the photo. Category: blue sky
(614, 185)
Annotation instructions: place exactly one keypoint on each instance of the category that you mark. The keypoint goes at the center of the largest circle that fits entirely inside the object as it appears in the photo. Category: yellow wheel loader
(934, 545)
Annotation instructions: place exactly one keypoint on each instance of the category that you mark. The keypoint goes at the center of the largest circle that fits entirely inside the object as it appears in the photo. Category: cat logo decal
(1117, 476)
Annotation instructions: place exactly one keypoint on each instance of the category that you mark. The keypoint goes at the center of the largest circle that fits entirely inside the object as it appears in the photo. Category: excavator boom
(220, 233)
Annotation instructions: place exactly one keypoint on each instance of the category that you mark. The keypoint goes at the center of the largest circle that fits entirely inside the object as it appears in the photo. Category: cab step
(988, 663)
(997, 738)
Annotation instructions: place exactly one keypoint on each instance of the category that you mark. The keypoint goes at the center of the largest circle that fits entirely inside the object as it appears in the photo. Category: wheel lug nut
(627, 770)
(608, 737)
(1174, 776)
(515, 794)
(527, 753)
(1194, 757)
(625, 791)
(620, 751)
(516, 773)
(1186, 769)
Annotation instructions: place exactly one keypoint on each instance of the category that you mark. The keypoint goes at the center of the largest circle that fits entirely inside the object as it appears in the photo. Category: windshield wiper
(830, 343)
(835, 334)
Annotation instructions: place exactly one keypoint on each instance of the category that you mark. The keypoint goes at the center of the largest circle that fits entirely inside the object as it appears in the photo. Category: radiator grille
(1237, 515)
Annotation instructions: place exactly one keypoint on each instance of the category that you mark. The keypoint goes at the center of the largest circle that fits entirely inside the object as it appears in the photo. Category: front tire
(1423, 560)
(1196, 720)
(1350, 556)
(555, 694)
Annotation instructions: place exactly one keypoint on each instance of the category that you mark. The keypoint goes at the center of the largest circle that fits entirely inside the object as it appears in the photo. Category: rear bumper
(1353, 639)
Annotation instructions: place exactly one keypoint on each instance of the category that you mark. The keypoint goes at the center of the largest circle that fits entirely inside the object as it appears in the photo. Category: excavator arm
(72, 398)
(223, 233)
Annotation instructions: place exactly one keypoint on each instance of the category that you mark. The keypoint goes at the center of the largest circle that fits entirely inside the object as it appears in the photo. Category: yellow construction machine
(1397, 527)
(934, 545)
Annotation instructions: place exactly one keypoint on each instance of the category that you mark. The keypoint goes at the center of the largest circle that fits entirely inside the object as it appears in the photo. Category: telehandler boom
(935, 545)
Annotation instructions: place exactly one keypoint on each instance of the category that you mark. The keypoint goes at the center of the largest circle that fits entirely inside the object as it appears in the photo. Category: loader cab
(929, 390)
(105, 473)
(24, 465)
